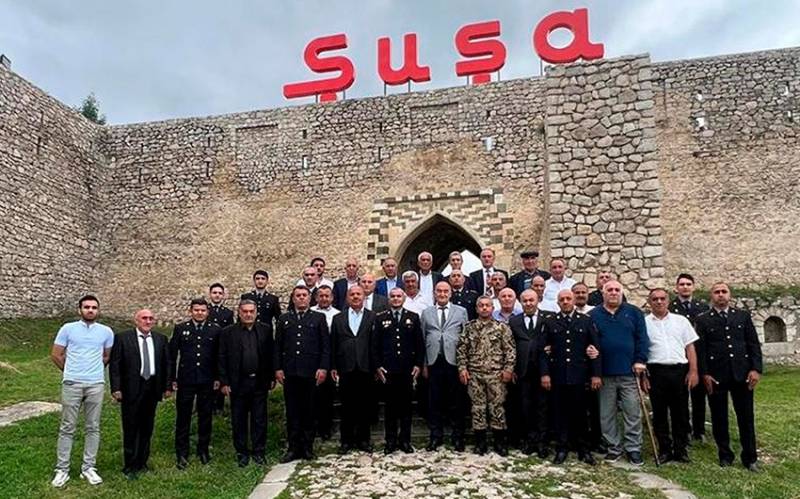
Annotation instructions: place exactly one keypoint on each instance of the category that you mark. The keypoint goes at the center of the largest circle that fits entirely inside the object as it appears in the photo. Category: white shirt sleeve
(689, 334)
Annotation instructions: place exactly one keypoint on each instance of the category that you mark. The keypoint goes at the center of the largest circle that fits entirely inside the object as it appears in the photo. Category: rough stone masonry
(647, 168)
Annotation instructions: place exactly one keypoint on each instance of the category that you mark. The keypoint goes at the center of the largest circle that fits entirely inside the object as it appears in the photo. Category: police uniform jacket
(728, 348)
(397, 346)
(568, 338)
(198, 347)
(220, 315)
(466, 298)
(528, 343)
(302, 345)
(690, 311)
(518, 281)
(267, 305)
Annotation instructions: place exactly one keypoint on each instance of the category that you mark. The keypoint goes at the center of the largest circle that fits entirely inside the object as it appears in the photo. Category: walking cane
(646, 415)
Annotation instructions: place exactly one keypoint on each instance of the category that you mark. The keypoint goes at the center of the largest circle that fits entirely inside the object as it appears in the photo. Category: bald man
(372, 300)
(139, 373)
(350, 279)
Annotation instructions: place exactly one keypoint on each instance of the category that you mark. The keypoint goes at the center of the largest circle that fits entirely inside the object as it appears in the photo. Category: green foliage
(90, 109)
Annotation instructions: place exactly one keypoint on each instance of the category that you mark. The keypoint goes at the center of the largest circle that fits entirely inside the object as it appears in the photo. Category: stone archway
(774, 330)
(440, 236)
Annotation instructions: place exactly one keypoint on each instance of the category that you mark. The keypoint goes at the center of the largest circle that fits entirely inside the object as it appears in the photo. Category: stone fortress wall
(649, 168)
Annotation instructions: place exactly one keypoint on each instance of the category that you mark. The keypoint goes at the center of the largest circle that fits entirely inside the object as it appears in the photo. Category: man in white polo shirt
(81, 350)
(672, 363)
(557, 283)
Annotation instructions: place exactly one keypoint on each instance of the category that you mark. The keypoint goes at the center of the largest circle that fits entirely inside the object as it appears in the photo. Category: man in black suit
(194, 377)
(372, 300)
(462, 295)
(521, 281)
(302, 362)
(246, 376)
(531, 403)
(481, 278)
(341, 286)
(567, 369)
(729, 357)
(398, 354)
(218, 313)
(139, 373)
(350, 340)
(686, 305)
(267, 304)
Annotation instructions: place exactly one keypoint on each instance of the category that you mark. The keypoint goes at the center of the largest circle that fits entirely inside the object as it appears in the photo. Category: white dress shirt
(669, 338)
(416, 304)
(391, 283)
(426, 286)
(324, 282)
(329, 312)
(368, 301)
(551, 290)
(487, 287)
(585, 309)
(496, 306)
(150, 351)
(354, 319)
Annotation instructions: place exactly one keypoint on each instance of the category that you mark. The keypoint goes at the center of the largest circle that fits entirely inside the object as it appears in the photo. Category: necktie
(687, 305)
(487, 283)
(442, 317)
(397, 317)
(145, 359)
(531, 324)
(724, 315)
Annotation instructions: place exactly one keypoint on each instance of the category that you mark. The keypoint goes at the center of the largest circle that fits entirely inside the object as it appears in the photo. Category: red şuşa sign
(482, 51)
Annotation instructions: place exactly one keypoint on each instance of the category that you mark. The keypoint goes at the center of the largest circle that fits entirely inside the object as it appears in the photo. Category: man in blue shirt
(623, 346)
(81, 349)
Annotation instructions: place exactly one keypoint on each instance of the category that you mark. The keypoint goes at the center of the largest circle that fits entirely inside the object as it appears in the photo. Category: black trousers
(184, 405)
(355, 390)
(298, 392)
(249, 416)
(742, 398)
(138, 418)
(669, 397)
(698, 395)
(569, 406)
(595, 435)
(534, 404)
(399, 391)
(446, 400)
(323, 406)
(515, 422)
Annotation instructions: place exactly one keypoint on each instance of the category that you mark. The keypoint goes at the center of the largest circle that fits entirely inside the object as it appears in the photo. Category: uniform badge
(408, 322)
(186, 333)
(387, 323)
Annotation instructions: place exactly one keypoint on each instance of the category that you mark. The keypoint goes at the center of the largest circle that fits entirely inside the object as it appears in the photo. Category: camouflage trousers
(487, 393)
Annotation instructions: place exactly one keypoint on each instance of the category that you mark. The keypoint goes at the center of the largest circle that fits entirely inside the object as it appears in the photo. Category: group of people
(535, 360)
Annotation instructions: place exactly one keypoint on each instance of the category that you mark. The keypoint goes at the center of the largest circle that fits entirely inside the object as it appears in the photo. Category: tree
(90, 109)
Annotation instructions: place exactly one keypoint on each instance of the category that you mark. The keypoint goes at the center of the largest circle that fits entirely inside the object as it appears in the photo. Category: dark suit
(245, 365)
(569, 369)
(340, 288)
(351, 360)
(728, 349)
(139, 396)
(302, 346)
(478, 279)
(521, 281)
(220, 315)
(195, 373)
(466, 298)
(380, 286)
(379, 303)
(267, 305)
(691, 309)
(528, 402)
(398, 347)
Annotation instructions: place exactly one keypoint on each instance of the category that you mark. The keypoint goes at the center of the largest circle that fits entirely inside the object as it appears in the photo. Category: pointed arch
(440, 234)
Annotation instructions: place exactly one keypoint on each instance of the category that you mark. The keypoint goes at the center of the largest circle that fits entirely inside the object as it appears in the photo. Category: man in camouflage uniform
(486, 355)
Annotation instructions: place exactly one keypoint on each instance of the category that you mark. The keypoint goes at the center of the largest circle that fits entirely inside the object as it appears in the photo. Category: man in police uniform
(218, 313)
(521, 281)
(462, 295)
(566, 371)
(267, 304)
(302, 361)
(486, 355)
(686, 305)
(729, 357)
(196, 341)
(398, 354)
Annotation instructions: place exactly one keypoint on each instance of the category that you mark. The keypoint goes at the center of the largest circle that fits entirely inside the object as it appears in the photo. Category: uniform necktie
(145, 359)
(397, 317)
(687, 305)
(724, 315)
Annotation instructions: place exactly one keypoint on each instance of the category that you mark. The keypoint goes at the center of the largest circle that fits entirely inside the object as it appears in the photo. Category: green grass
(27, 449)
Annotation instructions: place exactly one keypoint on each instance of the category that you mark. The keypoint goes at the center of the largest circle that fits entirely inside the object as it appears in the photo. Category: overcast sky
(149, 60)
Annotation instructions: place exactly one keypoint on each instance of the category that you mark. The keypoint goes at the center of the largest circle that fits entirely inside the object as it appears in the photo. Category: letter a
(580, 47)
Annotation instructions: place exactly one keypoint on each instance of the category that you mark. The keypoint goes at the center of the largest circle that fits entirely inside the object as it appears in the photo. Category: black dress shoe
(389, 448)
(587, 458)
(365, 447)
(561, 456)
(434, 444)
(259, 459)
(665, 457)
(131, 475)
(458, 444)
(308, 453)
(725, 463)
(543, 452)
(752, 468)
(289, 456)
(204, 457)
(406, 447)
(242, 460)
(344, 449)
(182, 463)
(682, 457)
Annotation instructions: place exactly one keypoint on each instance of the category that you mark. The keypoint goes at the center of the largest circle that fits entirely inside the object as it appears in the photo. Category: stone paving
(465, 475)
(25, 410)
